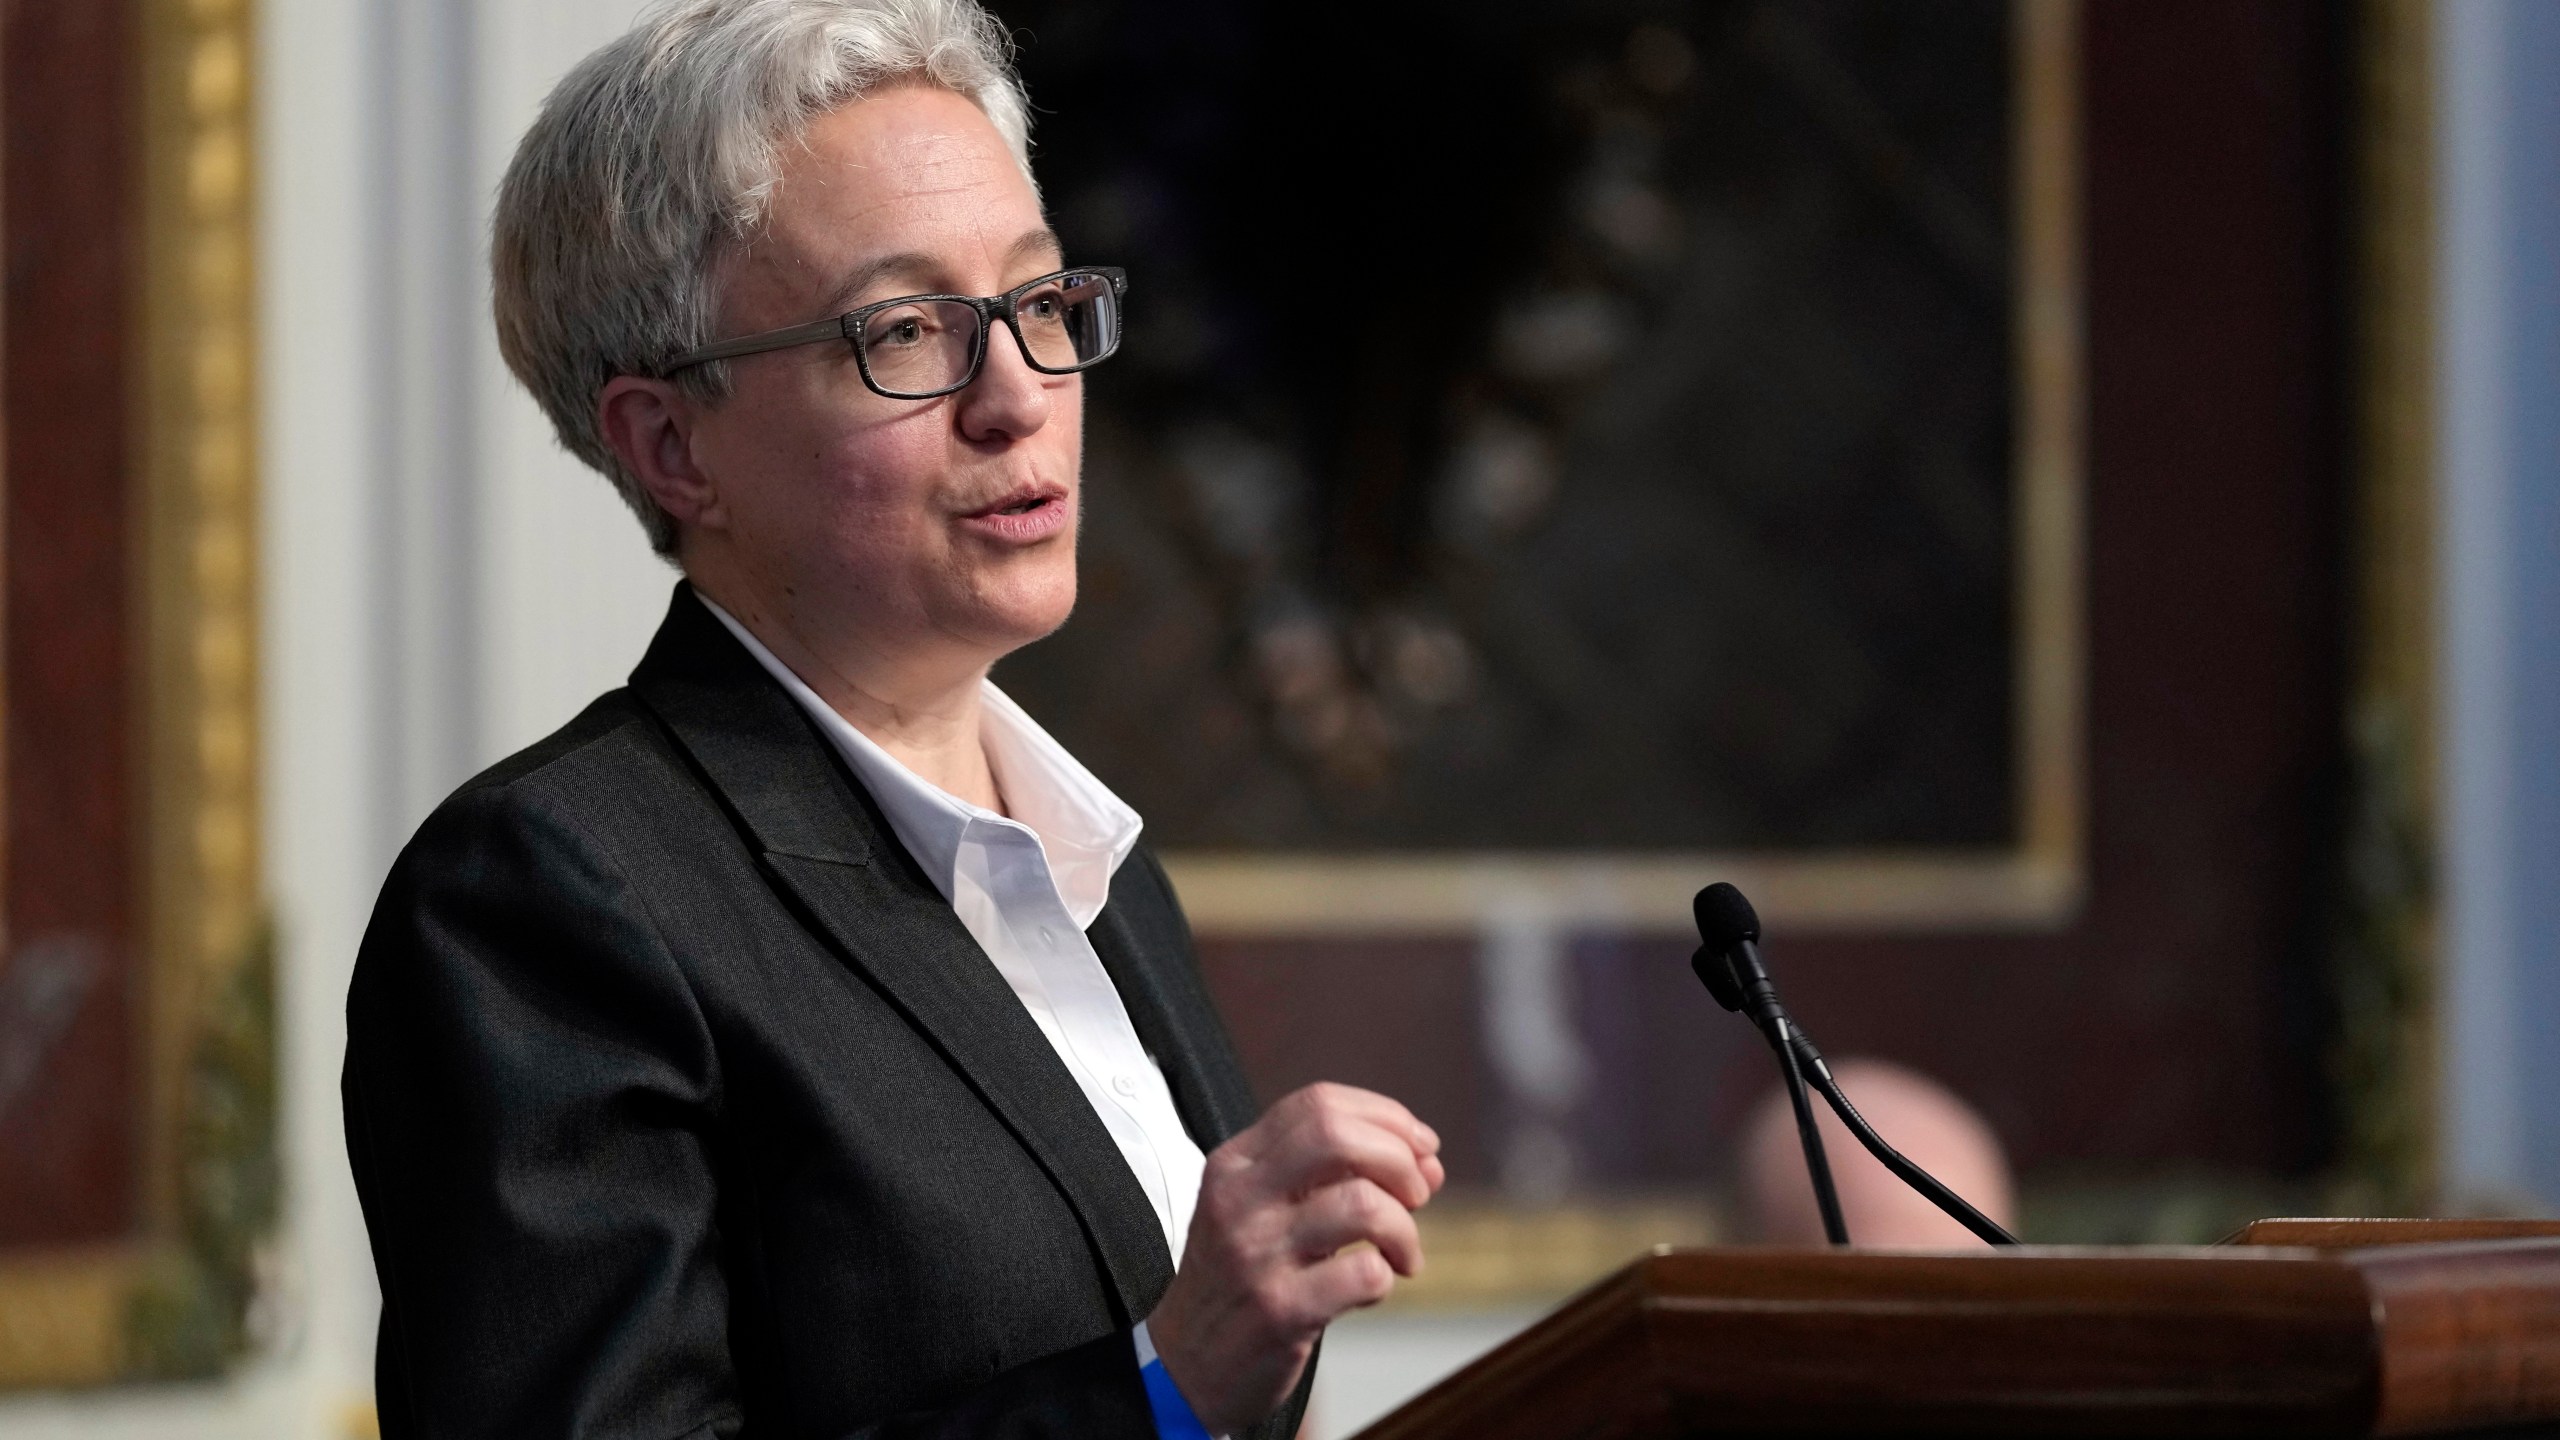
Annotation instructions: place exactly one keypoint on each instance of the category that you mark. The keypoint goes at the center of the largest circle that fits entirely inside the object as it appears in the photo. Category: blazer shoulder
(616, 755)
(538, 869)
(614, 723)
(597, 786)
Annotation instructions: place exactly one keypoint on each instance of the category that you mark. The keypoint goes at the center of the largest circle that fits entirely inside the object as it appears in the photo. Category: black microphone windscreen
(1725, 919)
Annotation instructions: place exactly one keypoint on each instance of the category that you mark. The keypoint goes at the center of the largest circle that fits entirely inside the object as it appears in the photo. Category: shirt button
(1124, 1084)
(1048, 937)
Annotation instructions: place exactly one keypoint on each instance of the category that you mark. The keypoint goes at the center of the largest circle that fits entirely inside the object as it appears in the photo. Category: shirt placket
(1071, 976)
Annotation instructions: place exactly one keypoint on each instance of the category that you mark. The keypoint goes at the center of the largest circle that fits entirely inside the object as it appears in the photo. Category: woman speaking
(801, 1042)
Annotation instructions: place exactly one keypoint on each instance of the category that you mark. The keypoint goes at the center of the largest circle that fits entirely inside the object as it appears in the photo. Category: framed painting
(1629, 443)
(137, 1172)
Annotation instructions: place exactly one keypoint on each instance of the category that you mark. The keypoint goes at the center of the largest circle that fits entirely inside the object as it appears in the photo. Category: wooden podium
(2295, 1327)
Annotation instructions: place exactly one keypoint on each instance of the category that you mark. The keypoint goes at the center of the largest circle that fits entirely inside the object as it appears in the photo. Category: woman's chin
(1029, 608)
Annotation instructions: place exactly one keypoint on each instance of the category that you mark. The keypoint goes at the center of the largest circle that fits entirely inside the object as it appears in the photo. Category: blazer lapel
(829, 850)
(1146, 949)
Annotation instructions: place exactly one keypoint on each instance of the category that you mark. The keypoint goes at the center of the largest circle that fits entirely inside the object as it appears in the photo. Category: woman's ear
(648, 424)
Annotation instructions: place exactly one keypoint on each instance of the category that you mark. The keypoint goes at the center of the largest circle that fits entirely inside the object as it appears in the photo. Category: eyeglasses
(920, 346)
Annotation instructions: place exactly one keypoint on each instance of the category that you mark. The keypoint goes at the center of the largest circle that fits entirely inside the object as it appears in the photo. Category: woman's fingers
(1326, 1102)
(1322, 1139)
(1379, 1110)
(1347, 1281)
(1353, 1211)
(1304, 1215)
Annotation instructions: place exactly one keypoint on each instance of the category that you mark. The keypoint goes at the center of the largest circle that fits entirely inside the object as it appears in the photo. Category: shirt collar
(1084, 831)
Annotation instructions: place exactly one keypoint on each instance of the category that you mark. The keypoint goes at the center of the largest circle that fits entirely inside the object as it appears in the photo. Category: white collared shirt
(1027, 888)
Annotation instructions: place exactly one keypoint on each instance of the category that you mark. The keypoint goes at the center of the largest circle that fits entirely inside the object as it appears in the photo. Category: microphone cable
(1728, 963)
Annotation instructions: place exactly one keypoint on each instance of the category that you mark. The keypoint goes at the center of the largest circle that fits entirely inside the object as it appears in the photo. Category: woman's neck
(925, 711)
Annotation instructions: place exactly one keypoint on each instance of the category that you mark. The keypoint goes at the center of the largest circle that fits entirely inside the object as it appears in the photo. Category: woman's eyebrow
(862, 277)
(1042, 242)
(919, 267)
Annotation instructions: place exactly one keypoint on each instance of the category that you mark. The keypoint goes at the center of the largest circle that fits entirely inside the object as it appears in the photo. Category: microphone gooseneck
(1729, 964)
(1991, 1231)
(1817, 1165)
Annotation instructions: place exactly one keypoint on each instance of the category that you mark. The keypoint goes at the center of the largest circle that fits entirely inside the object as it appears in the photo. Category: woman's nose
(1009, 400)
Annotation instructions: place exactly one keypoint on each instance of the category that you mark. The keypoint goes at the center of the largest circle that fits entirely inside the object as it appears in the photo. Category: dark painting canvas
(1541, 427)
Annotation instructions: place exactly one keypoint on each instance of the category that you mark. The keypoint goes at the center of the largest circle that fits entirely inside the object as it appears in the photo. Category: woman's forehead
(912, 189)
(909, 161)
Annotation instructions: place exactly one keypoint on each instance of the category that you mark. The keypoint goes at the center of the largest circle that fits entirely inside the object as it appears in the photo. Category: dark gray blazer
(681, 1104)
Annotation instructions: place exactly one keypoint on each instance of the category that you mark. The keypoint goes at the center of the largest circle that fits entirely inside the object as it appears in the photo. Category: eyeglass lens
(924, 346)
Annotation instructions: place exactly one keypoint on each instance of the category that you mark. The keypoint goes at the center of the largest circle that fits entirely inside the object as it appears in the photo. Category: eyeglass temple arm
(809, 334)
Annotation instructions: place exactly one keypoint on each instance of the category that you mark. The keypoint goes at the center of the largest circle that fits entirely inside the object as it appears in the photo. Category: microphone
(1729, 964)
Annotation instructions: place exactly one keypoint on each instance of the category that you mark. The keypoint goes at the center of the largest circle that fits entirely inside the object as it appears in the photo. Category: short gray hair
(659, 153)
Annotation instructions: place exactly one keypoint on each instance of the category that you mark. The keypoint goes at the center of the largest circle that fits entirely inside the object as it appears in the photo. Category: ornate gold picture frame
(170, 1299)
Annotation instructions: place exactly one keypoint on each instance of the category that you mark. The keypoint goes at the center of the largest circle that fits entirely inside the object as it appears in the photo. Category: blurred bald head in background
(1916, 1115)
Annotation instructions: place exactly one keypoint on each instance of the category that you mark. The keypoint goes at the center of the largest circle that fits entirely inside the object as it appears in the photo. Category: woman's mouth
(1023, 517)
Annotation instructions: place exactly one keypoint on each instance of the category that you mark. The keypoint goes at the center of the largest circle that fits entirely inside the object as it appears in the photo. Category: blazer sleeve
(533, 1104)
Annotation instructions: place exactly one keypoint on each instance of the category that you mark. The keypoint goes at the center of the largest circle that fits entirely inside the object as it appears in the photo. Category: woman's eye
(906, 331)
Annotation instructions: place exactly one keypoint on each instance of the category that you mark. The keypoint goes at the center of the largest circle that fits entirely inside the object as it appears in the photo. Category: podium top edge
(2228, 1252)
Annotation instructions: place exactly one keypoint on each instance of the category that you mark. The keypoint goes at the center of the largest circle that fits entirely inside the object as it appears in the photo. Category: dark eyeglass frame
(849, 326)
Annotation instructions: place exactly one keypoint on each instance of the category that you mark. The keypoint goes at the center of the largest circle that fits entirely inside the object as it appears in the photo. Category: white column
(368, 470)
(2498, 84)
(569, 592)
